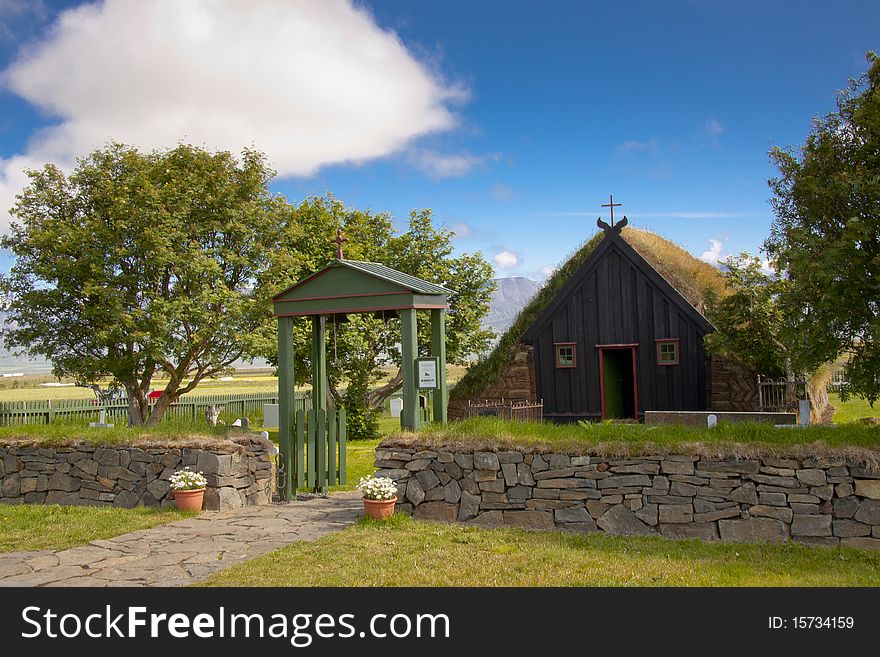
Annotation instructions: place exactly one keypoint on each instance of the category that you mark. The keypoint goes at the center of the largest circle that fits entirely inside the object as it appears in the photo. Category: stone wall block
(869, 512)
(811, 525)
(486, 461)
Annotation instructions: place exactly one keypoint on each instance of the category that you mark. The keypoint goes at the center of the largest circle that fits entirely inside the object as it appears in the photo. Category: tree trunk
(375, 398)
(138, 407)
(162, 405)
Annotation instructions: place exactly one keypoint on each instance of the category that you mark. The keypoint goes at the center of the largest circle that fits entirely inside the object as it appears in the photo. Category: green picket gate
(319, 440)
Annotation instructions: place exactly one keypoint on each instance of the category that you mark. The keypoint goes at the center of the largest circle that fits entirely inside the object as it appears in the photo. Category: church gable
(610, 277)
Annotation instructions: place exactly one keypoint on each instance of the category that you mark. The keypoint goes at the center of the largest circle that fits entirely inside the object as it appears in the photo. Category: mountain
(509, 297)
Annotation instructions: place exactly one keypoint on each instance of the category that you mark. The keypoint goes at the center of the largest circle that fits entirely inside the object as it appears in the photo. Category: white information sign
(427, 373)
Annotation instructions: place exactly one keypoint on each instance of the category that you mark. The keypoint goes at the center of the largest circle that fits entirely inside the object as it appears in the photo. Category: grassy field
(407, 552)
(29, 388)
(852, 410)
(53, 527)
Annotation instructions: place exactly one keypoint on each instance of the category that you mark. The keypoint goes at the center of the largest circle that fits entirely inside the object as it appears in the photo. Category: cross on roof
(339, 241)
(611, 204)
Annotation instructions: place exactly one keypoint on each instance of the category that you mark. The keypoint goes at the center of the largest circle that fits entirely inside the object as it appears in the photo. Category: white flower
(377, 488)
(186, 479)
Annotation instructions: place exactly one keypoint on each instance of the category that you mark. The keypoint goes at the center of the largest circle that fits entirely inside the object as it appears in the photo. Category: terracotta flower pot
(379, 509)
(189, 500)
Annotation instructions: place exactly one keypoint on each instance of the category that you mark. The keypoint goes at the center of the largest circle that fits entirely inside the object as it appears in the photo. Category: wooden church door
(618, 381)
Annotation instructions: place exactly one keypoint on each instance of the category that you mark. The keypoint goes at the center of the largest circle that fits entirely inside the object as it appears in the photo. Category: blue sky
(513, 121)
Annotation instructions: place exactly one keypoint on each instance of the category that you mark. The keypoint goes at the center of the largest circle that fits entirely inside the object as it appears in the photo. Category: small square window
(667, 352)
(565, 355)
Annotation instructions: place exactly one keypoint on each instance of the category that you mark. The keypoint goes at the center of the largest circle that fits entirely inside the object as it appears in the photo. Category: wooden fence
(247, 404)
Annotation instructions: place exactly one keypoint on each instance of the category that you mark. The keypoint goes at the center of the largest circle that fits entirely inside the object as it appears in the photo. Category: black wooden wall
(616, 297)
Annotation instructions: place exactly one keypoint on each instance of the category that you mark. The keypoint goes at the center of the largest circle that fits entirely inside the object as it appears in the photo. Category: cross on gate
(340, 240)
(611, 204)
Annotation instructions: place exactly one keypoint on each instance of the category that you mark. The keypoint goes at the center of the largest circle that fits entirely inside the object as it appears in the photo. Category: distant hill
(509, 297)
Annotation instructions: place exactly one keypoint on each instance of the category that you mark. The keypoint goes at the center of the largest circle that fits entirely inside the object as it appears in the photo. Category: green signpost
(312, 447)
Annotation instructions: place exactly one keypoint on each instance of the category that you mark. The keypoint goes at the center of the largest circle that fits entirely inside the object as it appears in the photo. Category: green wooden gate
(319, 449)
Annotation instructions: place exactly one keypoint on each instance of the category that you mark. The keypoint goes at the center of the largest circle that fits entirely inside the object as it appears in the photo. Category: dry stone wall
(239, 473)
(816, 501)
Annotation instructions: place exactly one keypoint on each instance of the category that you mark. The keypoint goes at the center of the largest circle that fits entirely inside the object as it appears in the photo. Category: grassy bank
(632, 439)
(53, 527)
(67, 432)
(407, 552)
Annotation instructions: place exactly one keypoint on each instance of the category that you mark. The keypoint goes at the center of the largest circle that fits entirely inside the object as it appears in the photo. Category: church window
(565, 355)
(667, 352)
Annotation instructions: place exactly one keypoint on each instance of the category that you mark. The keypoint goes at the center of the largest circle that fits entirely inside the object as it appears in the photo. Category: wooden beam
(285, 405)
(408, 352)
(438, 350)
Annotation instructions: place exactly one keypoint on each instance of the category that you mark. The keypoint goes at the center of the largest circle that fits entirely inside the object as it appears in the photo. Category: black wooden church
(616, 339)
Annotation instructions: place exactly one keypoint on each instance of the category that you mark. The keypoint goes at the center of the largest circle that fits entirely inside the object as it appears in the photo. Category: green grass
(852, 410)
(77, 431)
(623, 439)
(407, 552)
(53, 527)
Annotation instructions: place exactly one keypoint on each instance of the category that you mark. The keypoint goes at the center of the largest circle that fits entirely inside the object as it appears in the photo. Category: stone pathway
(182, 552)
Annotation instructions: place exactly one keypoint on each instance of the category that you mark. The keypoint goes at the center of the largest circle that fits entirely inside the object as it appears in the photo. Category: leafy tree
(748, 321)
(140, 265)
(826, 236)
(360, 349)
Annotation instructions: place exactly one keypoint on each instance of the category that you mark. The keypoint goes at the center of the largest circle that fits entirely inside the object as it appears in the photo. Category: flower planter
(189, 500)
(379, 509)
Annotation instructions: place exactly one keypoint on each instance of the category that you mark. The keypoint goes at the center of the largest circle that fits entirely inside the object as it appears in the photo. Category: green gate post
(317, 441)
(285, 404)
(408, 350)
(438, 350)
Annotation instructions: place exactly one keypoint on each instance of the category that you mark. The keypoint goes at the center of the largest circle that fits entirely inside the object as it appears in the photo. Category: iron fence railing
(507, 409)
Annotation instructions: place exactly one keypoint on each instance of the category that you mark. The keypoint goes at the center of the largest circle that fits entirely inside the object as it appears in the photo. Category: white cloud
(506, 259)
(310, 83)
(548, 271)
(462, 229)
(651, 147)
(714, 127)
(447, 165)
(502, 192)
(713, 130)
(713, 253)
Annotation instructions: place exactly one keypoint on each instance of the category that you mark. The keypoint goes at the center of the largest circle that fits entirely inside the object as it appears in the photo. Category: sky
(513, 121)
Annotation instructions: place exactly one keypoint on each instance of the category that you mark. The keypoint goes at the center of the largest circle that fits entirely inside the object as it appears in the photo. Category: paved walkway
(185, 551)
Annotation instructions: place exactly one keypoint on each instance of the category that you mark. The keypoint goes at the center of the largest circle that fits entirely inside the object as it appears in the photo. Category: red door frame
(632, 346)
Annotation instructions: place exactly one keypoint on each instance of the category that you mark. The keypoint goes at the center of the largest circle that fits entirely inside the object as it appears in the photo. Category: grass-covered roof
(687, 274)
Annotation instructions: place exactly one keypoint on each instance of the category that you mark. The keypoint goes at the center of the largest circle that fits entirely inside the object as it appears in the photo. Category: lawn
(852, 410)
(53, 527)
(407, 552)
